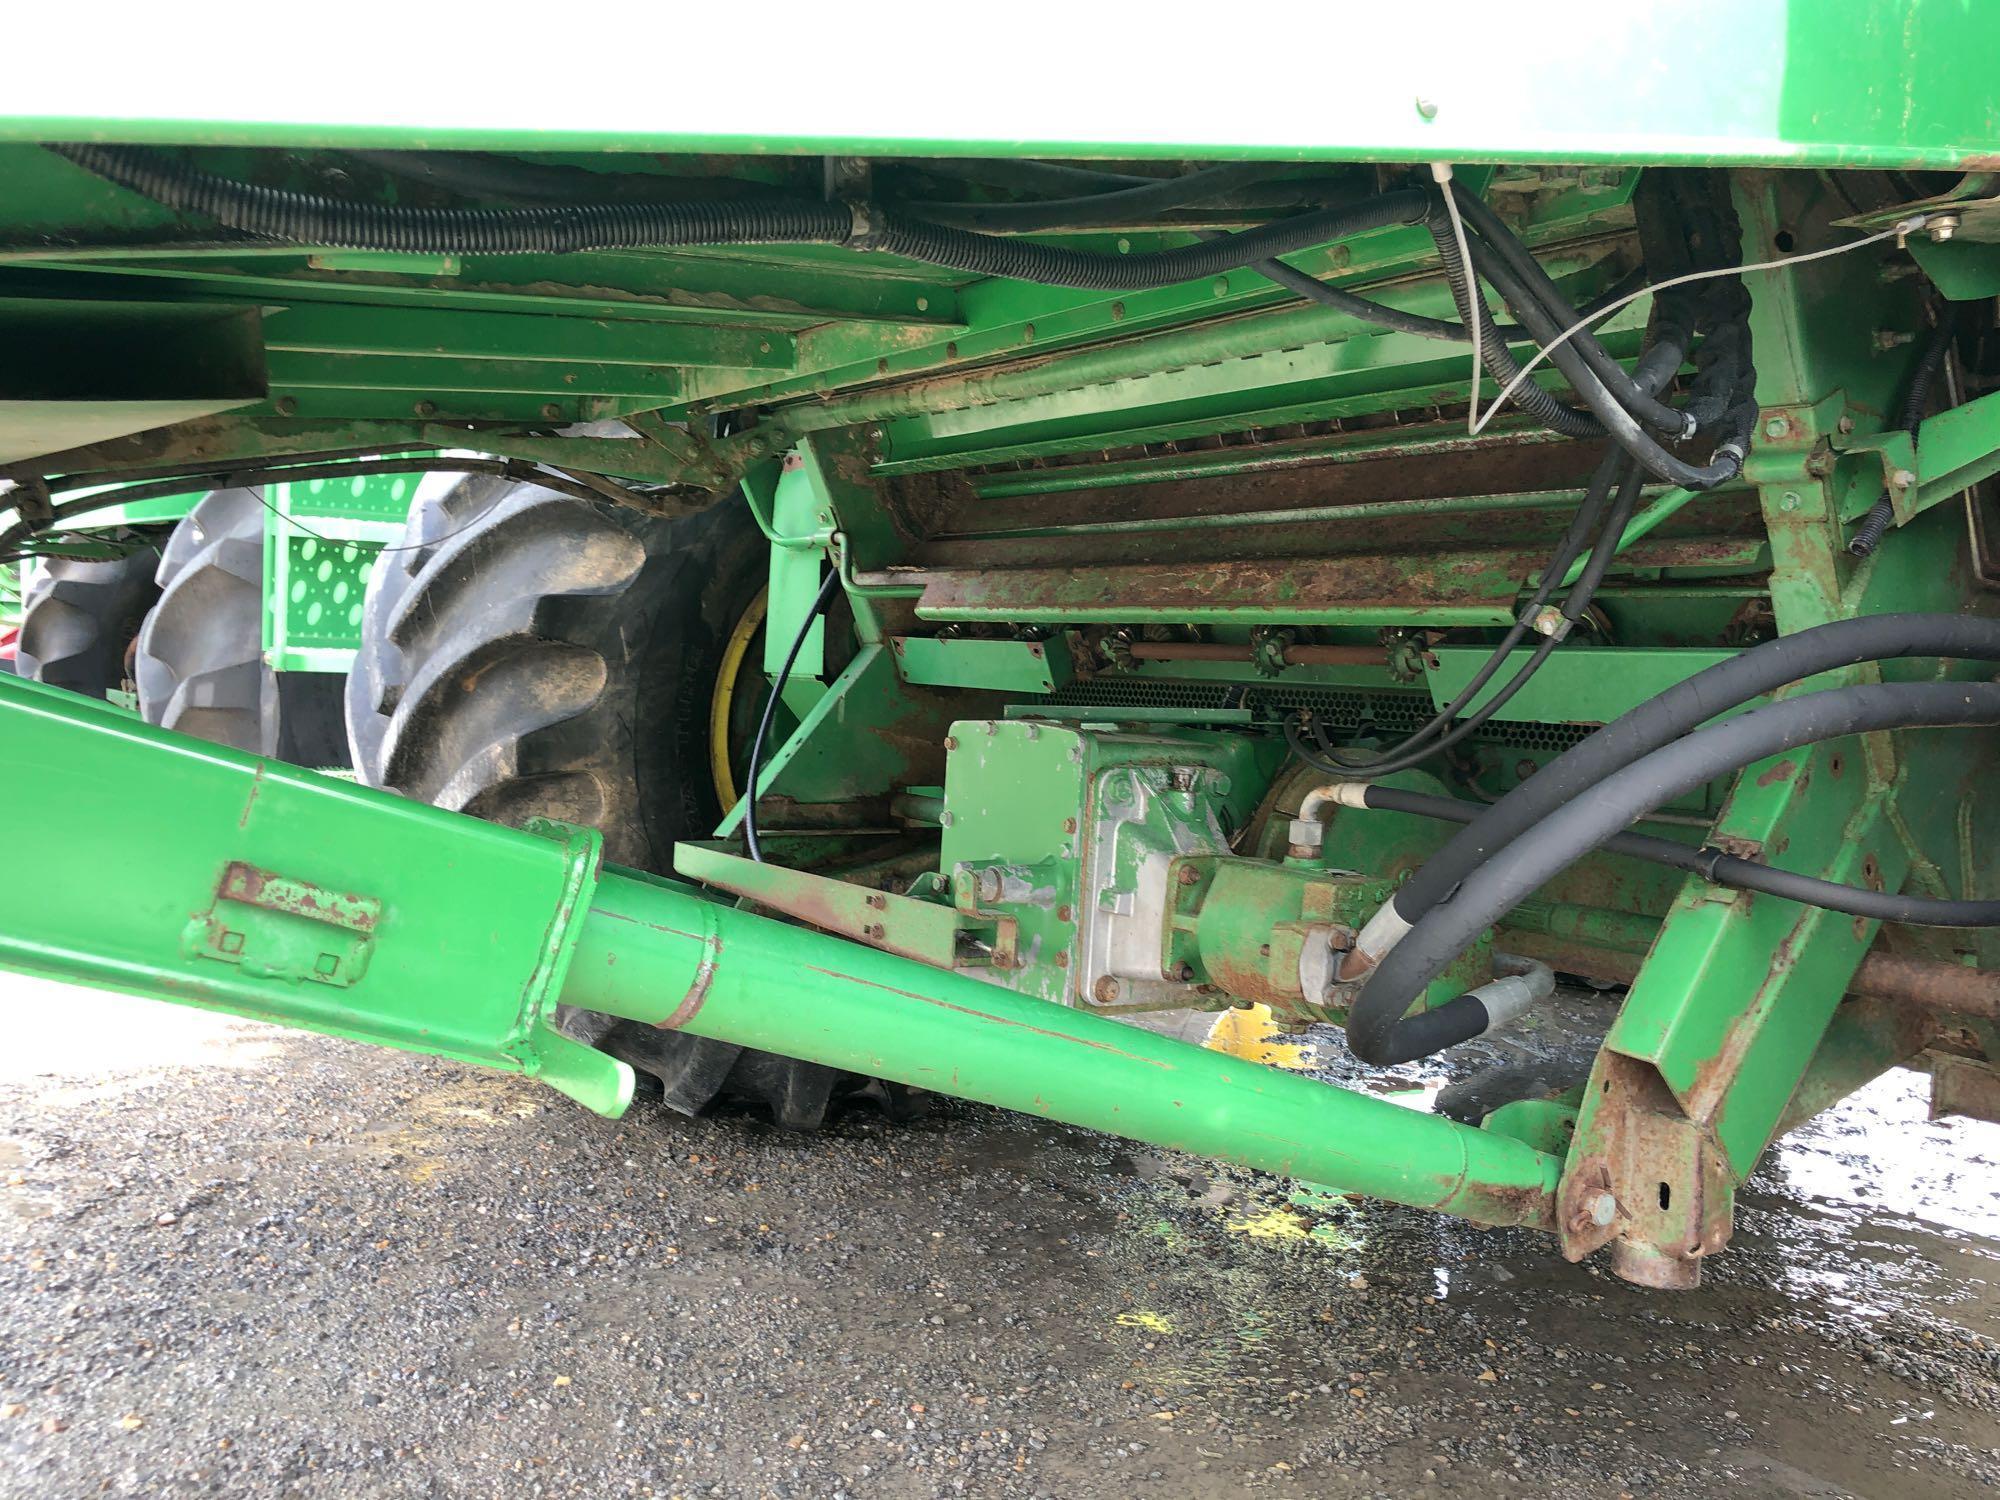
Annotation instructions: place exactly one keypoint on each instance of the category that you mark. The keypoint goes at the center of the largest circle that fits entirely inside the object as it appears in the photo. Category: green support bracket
(797, 566)
(920, 930)
(1004, 666)
(313, 901)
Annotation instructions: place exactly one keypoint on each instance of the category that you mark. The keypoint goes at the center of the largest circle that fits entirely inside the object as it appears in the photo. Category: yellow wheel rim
(723, 699)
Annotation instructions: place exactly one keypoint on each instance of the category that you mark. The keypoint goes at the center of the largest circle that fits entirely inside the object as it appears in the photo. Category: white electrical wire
(1478, 421)
(1441, 175)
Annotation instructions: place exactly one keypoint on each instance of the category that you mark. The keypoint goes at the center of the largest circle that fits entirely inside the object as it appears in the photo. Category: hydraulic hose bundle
(1586, 797)
(1627, 407)
(1679, 210)
(773, 219)
(1881, 515)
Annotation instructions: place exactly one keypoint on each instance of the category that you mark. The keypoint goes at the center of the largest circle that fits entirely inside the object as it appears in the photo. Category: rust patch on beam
(1784, 770)
(697, 995)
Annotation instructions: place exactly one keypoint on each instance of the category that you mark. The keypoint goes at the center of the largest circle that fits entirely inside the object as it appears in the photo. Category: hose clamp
(863, 232)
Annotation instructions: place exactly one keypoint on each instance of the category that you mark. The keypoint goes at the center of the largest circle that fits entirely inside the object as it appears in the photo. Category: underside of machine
(1120, 594)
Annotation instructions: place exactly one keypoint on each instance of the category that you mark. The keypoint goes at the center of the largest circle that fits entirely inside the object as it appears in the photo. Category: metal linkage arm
(186, 872)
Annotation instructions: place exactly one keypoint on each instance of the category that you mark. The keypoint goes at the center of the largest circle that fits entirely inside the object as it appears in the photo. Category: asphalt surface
(240, 1261)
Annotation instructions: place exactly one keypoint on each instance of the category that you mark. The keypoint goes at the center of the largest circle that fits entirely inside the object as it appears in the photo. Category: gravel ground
(241, 1261)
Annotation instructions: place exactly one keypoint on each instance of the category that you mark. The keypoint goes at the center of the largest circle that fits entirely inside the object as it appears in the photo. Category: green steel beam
(211, 878)
(323, 328)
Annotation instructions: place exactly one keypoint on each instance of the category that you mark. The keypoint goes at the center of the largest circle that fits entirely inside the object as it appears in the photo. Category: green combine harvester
(877, 604)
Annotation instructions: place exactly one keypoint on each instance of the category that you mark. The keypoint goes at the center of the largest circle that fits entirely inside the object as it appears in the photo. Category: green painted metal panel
(1005, 666)
(320, 549)
(1578, 684)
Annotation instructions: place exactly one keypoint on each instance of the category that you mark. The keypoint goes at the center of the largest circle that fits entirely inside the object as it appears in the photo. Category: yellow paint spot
(1273, 1224)
(1152, 1322)
(1246, 1034)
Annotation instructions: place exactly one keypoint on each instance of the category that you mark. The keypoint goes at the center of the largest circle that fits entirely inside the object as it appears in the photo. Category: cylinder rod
(665, 954)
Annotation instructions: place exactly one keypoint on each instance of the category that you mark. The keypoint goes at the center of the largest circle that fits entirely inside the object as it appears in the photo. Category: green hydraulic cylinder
(168, 867)
(655, 952)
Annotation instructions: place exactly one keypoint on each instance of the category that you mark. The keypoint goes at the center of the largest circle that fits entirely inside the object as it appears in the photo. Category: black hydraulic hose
(1378, 1032)
(1580, 527)
(1018, 175)
(1724, 869)
(1681, 708)
(1051, 265)
(750, 795)
(310, 219)
(1624, 428)
(1473, 313)
(1881, 515)
(1312, 289)
(1503, 242)
(1124, 205)
(1412, 753)
(478, 174)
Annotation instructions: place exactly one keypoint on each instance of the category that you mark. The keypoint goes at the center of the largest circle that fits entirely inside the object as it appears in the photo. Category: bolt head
(1105, 990)
(1902, 479)
(1602, 1208)
(1427, 108)
(1942, 227)
(1777, 427)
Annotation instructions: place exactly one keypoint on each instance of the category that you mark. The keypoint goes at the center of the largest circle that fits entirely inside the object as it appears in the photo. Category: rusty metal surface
(1466, 589)
(1964, 1086)
(1930, 985)
(914, 929)
(1495, 469)
(1658, 1184)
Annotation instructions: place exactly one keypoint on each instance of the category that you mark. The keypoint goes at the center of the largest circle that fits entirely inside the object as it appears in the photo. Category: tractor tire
(81, 619)
(533, 655)
(200, 666)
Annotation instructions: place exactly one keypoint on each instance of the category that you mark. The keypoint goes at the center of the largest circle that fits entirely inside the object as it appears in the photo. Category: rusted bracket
(278, 927)
(1723, 1020)
(923, 930)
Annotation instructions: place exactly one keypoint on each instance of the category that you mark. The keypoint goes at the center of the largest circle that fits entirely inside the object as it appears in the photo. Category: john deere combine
(890, 601)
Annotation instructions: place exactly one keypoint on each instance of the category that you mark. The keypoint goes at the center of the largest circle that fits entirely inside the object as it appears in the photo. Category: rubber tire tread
(80, 618)
(528, 654)
(200, 665)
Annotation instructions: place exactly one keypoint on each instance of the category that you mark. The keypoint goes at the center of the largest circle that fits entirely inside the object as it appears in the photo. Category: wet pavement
(241, 1261)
